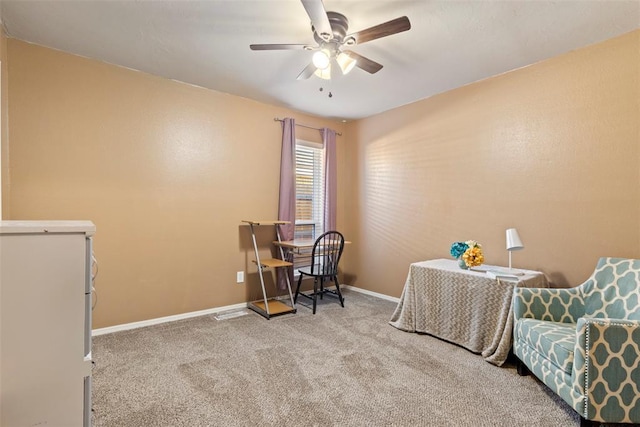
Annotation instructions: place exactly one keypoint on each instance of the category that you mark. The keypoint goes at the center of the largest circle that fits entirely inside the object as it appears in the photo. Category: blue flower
(458, 248)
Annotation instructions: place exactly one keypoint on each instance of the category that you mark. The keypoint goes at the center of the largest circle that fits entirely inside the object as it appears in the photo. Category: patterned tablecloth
(465, 307)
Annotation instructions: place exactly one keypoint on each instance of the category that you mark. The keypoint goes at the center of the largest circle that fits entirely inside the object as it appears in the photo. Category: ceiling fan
(330, 32)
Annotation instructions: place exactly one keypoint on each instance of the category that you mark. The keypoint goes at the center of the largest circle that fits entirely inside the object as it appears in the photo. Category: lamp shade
(513, 240)
(345, 62)
(324, 73)
(321, 59)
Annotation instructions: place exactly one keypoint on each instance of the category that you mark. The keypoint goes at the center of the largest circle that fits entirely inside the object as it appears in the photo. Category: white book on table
(503, 275)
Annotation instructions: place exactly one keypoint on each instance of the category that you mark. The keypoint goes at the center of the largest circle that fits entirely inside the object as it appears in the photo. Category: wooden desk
(465, 307)
(299, 244)
(298, 250)
(295, 245)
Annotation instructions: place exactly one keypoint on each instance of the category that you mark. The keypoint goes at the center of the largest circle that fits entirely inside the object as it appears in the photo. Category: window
(309, 190)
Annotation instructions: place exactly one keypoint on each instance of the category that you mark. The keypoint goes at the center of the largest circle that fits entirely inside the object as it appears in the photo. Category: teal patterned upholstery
(584, 342)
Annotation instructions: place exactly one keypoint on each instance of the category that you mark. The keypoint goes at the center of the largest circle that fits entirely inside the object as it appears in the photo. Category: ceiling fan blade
(389, 28)
(319, 19)
(307, 72)
(279, 46)
(365, 63)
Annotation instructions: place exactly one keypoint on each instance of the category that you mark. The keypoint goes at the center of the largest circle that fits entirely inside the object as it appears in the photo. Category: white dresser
(45, 323)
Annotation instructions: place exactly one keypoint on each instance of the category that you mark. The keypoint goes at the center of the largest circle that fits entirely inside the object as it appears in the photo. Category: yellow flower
(473, 257)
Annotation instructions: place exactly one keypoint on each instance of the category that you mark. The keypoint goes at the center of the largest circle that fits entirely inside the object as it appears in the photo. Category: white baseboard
(159, 320)
(371, 293)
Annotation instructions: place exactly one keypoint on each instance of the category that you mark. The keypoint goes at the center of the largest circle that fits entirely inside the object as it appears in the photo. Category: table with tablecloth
(465, 307)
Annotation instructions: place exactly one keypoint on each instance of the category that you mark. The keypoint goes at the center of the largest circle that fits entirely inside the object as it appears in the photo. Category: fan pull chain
(330, 93)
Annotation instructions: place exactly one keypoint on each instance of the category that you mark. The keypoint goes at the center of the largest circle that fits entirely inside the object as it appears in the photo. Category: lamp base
(511, 270)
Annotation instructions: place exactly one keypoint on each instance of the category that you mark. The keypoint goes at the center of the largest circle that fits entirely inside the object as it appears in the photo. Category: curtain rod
(301, 125)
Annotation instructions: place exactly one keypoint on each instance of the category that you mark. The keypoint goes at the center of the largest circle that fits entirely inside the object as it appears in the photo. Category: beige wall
(4, 140)
(551, 149)
(165, 170)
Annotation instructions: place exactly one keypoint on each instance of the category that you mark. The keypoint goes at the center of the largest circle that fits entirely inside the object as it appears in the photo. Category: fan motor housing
(339, 26)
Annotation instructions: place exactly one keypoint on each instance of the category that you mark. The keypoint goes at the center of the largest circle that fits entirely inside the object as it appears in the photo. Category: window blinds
(309, 190)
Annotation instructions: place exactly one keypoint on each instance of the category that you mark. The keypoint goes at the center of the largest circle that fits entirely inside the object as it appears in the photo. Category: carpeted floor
(341, 367)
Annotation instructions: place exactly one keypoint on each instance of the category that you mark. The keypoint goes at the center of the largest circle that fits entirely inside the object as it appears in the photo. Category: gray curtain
(287, 199)
(330, 178)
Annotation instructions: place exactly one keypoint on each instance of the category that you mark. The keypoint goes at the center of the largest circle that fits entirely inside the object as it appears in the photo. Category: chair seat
(553, 340)
(318, 270)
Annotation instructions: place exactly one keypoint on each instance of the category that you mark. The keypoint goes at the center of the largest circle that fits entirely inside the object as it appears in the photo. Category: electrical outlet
(240, 277)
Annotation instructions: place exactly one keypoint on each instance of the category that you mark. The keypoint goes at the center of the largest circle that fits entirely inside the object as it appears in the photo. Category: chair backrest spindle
(326, 253)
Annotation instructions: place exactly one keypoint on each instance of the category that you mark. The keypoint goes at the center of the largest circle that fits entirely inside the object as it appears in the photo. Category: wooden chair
(325, 256)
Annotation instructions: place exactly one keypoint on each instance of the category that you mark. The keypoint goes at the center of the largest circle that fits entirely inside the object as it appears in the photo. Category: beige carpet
(341, 367)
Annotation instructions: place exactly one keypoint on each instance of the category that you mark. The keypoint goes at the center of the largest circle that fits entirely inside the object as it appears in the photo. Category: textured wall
(165, 170)
(4, 129)
(551, 149)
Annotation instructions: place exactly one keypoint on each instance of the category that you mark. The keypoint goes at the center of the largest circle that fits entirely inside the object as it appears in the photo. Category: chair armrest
(606, 369)
(555, 305)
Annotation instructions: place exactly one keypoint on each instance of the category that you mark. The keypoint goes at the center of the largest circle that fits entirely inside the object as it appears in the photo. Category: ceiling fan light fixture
(324, 73)
(321, 59)
(331, 33)
(345, 62)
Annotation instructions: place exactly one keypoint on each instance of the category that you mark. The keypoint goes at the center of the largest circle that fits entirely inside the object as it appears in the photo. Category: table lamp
(513, 244)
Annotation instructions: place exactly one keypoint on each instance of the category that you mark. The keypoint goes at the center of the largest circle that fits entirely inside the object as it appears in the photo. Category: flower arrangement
(468, 254)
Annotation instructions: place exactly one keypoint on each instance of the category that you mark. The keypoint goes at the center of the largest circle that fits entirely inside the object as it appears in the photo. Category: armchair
(584, 342)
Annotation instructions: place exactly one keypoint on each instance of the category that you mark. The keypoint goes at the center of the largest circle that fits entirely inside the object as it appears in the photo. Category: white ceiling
(206, 43)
